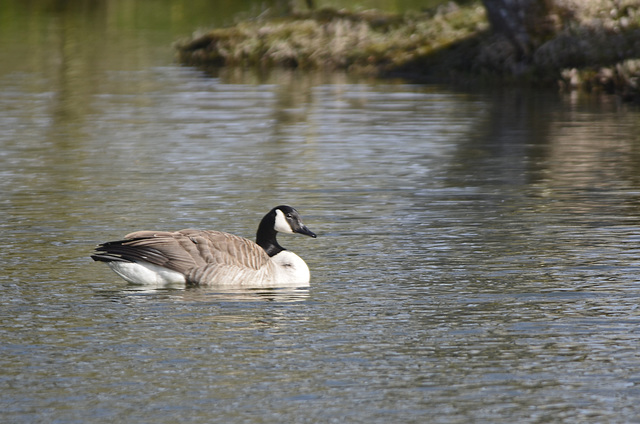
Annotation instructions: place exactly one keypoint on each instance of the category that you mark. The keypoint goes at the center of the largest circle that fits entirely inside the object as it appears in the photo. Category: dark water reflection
(476, 259)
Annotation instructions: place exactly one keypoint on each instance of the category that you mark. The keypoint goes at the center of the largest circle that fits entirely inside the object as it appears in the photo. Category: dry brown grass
(369, 41)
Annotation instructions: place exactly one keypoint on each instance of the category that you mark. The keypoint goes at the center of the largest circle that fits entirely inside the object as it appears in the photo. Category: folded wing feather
(205, 257)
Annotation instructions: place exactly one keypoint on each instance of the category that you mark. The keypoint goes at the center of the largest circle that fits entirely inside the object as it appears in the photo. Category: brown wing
(205, 257)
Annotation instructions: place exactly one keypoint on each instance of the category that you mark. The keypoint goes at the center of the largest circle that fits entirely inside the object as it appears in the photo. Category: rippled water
(476, 258)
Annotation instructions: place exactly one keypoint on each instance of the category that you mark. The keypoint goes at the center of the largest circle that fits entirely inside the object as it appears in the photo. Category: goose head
(283, 219)
(287, 220)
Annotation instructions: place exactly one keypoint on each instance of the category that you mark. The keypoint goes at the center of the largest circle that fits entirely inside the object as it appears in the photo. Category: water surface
(476, 258)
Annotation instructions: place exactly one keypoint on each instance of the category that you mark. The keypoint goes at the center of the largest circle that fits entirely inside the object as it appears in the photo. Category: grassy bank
(365, 42)
(596, 46)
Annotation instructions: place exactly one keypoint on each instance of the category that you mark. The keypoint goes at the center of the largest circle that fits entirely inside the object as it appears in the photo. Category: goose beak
(304, 230)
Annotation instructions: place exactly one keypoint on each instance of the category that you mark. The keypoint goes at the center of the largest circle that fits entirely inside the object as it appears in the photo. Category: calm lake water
(477, 258)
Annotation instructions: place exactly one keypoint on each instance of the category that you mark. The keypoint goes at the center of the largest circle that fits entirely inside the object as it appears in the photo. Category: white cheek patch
(281, 224)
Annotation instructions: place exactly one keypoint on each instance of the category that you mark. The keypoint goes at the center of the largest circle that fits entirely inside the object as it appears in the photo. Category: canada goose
(211, 258)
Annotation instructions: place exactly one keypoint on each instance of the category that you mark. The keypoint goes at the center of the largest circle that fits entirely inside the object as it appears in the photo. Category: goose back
(203, 257)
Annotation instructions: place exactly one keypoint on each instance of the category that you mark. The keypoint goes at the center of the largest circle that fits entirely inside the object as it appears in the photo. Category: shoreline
(449, 44)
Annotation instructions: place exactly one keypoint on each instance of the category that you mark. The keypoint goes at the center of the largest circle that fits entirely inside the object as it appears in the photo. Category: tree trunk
(526, 23)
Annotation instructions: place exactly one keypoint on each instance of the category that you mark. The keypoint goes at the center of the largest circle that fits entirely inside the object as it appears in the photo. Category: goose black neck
(266, 236)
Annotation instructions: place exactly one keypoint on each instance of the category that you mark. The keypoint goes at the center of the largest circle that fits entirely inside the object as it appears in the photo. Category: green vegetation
(366, 42)
(595, 44)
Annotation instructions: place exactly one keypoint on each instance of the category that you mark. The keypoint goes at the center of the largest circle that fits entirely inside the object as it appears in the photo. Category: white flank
(146, 274)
